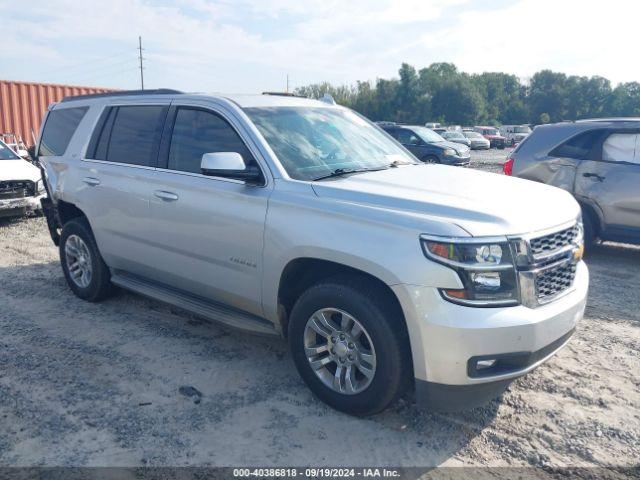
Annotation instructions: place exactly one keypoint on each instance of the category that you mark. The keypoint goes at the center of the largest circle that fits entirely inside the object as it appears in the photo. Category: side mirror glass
(229, 165)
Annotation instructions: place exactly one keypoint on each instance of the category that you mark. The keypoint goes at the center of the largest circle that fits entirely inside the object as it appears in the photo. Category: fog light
(483, 364)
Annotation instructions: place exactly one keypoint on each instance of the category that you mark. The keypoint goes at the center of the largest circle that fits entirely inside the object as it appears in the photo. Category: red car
(493, 135)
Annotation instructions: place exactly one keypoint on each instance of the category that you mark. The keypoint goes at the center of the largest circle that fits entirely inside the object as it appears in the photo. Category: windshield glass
(428, 135)
(6, 153)
(523, 129)
(313, 141)
(452, 135)
(472, 135)
(490, 131)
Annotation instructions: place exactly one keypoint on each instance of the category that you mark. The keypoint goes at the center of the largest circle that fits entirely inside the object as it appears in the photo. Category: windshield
(312, 142)
(452, 135)
(472, 135)
(6, 153)
(524, 129)
(490, 131)
(428, 135)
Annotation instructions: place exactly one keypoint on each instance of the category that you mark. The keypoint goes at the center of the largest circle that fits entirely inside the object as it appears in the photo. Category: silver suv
(598, 161)
(300, 218)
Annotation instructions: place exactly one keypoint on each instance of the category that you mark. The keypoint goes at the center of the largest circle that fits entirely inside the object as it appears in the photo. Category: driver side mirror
(229, 165)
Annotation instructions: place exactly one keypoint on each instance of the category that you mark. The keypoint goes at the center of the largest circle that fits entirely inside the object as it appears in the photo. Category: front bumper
(445, 338)
(456, 160)
(19, 206)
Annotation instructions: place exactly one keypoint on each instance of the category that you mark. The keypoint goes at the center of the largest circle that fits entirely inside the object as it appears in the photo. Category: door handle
(91, 181)
(166, 196)
(594, 176)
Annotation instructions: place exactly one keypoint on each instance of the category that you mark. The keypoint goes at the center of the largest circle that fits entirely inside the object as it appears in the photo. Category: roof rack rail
(123, 93)
(282, 94)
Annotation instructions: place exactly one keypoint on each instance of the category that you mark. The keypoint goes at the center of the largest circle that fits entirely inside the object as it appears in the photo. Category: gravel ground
(132, 382)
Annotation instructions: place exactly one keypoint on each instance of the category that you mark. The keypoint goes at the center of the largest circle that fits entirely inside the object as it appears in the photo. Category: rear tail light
(507, 168)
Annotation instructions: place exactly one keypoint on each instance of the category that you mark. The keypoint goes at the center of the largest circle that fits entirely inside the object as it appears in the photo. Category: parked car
(15, 143)
(21, 186)
(439, 130)
(432, 125)
(493, 135)
(457, 137)
(293, 217)
(427, 145)
(514, 134)
(478, 142)
(598, 161)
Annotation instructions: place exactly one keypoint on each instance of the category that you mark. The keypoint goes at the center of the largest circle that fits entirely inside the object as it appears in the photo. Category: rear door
(118, 166)
(208, 231)
(612, 183)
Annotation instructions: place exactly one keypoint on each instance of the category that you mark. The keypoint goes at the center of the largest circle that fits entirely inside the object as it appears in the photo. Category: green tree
(458, 102)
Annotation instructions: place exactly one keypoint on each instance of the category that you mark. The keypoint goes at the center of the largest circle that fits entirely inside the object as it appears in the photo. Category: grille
(555, 280)
(16, 189)
(554, 241)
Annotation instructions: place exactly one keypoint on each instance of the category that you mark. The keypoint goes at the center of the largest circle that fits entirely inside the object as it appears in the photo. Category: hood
(495, 137)
(481, 203)
(18, 170)
(449, 144)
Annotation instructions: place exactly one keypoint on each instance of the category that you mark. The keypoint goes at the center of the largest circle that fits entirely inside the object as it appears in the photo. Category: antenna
(141, 67)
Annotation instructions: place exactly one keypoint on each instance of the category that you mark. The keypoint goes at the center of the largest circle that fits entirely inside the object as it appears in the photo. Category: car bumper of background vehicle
(446, 339)
(19, 206)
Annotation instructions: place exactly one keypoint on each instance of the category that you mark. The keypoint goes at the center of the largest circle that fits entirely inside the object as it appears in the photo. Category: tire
(77, 236)
(431, 159)
(384, 334)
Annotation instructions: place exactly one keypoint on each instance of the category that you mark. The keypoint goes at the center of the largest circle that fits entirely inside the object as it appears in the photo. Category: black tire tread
(375, 299)
(101, 286)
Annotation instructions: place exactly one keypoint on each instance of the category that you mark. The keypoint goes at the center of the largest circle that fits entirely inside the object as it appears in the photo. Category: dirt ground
(132, 382)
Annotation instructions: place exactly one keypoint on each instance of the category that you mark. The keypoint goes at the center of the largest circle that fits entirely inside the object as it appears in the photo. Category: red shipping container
(23, 105)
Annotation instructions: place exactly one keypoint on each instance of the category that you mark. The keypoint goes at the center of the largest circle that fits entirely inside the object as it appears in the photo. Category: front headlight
(39, 186)
(485, 268)
(449, 152)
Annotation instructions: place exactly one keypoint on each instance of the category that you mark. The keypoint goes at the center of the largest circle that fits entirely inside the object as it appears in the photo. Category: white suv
(300, 218)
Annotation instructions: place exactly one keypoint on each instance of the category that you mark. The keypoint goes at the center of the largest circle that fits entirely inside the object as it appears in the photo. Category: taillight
(507, 168)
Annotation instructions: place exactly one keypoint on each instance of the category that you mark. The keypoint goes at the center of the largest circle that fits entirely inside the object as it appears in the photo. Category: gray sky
(251, 45)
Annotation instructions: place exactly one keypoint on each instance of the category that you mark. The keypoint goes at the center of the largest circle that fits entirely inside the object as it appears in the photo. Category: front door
(208, 231)
(612, 183)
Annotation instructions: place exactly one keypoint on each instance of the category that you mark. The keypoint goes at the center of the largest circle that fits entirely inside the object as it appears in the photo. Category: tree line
(442, 93)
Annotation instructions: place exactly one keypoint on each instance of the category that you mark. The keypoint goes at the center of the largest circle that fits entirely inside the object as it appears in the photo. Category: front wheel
(431, 159)
(350, 346)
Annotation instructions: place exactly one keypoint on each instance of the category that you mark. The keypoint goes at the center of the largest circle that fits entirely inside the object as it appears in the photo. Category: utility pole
(287, 83)
(141, 67)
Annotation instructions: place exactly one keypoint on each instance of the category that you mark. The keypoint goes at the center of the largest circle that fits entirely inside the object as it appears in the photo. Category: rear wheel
(84, 269)
(350, 345)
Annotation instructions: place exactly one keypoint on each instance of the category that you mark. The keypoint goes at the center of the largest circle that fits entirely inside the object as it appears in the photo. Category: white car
(21, 186)
(515, 133)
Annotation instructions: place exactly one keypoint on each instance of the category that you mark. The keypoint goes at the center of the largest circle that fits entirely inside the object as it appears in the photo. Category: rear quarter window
(60, 126)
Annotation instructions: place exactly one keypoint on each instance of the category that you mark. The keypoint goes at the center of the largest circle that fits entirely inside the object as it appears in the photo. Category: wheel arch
(301, 273)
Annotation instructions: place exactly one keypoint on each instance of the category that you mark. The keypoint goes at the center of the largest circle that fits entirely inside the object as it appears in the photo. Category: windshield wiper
(338, 172)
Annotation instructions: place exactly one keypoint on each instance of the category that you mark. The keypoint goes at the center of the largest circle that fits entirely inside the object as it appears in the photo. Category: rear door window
(60, 126)
(129, 134)
(196, 132)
